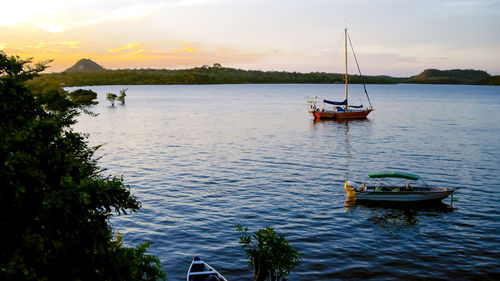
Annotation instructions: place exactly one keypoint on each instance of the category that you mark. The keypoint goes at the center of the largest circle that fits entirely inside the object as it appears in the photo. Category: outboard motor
(350, 188)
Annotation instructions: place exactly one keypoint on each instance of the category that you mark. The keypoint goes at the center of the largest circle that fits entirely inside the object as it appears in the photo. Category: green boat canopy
(394, 174)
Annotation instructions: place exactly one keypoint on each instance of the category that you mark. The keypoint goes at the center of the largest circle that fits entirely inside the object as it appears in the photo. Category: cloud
(51, 27)
(55, 46)
(194, 2)
(130, 46)
(46, 50)
(130, 12)
(57, 16)
(136, 54)
(469, 3)
(71, 44)
(161, 48)
(178, 54)
(21, 11)
(185, 49)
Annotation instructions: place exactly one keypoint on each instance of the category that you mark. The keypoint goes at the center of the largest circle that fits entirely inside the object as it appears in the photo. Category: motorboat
(385, 190)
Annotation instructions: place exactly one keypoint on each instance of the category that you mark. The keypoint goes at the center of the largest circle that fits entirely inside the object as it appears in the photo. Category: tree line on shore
(202, 75)
(223, 75)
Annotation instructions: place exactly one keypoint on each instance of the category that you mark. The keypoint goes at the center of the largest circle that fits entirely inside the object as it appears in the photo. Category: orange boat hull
(358, 114)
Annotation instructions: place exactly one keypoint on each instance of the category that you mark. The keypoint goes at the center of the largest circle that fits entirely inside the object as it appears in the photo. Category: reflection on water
(340, 121)
(395, 217)
(342, 138)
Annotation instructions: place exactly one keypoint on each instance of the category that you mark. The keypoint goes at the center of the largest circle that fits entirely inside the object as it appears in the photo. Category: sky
(390, 37)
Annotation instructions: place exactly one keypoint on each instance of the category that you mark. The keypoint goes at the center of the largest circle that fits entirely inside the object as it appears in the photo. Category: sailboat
(341, 110)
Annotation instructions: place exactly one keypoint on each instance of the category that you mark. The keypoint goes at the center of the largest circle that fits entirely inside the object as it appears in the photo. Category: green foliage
(121, 97)
(111, 98)
(54, 202)
(134, 263)
(224, 75)
(272, 257)
(454, 76)
(202, 75)
(15, 66)
(494, 80)
(84, 97)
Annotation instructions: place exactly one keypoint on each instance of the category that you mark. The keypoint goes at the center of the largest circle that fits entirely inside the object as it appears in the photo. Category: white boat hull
(202, 271)
(402, 196)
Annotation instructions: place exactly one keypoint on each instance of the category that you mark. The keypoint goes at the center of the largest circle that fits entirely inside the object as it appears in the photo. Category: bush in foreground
(54, 202)
(271, 256)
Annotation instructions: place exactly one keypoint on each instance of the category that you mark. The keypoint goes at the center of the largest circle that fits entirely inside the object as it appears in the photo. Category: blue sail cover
(335, 102)
(342, 103)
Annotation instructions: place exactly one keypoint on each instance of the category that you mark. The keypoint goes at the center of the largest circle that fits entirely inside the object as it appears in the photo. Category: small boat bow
(202, 271)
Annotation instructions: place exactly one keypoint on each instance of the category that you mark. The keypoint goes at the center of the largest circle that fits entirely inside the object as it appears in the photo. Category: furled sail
(335, 102)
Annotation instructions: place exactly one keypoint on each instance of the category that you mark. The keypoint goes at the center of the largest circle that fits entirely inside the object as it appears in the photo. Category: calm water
(202, 159)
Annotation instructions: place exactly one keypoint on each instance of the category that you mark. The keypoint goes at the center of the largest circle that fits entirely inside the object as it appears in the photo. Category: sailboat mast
(345, 78)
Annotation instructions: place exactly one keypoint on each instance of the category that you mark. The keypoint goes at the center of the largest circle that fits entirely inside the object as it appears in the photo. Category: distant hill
(454, 76)
(85, 65)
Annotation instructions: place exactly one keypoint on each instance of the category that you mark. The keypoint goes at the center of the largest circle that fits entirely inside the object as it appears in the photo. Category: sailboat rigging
(342, 110)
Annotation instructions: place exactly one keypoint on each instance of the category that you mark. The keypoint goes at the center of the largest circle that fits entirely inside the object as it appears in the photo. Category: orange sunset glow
(265, 35)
